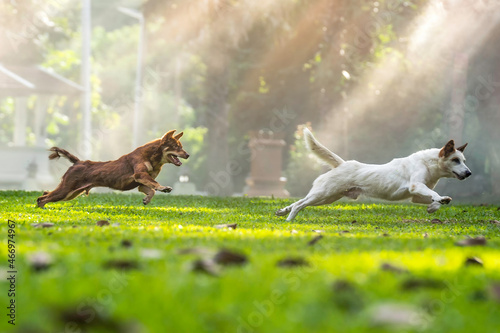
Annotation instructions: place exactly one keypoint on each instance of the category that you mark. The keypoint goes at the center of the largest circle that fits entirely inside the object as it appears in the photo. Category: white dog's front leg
(425, 193)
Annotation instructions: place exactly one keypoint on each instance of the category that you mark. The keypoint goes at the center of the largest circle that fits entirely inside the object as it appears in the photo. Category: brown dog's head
(171, 148)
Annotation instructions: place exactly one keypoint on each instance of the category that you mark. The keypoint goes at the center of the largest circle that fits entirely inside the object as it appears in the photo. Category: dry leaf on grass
(418, 283)
(201, 251)
(40, 261)
(206, 266)
(314, 240)
(43, 225)
(123, 264)
(126, 243)
(495, 291)
(292, 262)
(476, 241)
(391, 268)
(102, 223)
(229, 226)
(398, 315)
(226, 258)
(473, 261)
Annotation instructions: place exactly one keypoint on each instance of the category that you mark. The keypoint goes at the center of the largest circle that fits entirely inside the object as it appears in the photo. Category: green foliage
(338, 291)
(302, 168)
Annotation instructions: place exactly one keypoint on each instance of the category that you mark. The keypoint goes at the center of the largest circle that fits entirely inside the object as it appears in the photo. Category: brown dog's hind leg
(148, 192)
(61, 194)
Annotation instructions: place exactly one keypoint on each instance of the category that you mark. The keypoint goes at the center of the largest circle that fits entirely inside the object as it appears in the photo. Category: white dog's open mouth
(458, 176)
(174, 159)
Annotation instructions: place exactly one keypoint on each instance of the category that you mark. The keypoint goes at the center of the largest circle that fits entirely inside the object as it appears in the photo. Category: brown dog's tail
(57, 152)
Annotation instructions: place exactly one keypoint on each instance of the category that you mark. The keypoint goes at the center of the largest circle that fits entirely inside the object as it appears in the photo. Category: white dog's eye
(456, 160)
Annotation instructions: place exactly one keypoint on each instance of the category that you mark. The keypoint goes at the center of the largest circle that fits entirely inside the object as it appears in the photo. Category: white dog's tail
(323, 153)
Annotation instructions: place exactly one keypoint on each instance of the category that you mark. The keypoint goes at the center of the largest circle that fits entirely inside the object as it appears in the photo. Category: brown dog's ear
(462, 148)
(448, 149)
(167, 135)
(178, 136)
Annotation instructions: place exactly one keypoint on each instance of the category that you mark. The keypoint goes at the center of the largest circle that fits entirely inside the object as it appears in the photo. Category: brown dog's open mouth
(174, 159)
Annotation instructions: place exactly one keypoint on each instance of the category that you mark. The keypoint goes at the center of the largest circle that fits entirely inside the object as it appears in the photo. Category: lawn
(348, 267)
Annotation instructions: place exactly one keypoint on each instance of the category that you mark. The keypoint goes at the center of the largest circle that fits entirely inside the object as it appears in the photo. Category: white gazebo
(26, 167)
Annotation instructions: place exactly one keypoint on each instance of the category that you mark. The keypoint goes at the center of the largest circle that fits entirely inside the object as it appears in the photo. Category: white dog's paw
(434, 206)
(445, 200)
(281, 212)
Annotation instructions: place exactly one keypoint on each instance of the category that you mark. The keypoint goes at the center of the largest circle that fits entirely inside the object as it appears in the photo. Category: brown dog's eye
(456, 160)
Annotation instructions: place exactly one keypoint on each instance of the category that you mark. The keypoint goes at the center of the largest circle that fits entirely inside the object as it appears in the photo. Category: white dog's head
(452, 161)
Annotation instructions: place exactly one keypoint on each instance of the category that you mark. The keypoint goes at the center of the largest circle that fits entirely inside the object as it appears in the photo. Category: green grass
(78, 293)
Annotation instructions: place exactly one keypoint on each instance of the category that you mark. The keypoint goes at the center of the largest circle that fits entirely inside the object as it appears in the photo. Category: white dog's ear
(448, 149)
(462, 148)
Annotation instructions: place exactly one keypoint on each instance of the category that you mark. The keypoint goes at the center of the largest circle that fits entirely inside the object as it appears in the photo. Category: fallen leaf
(417, 283)
(87, 321)
(478, 296)
(495, 291)
(40, 261)
(385, 235)
(345, 231)
(494, 221)
(292, 262)
(436, 221)
(126, 243)
(314, 240)
(398, 315)
(354, 221)
(346, 296)
(196, 250)
(151, 254)
(318, 231)
(477, 241)
(426, 235)
(230, 226)
(391, 268)
(474, 261)
(102, 223)
(226, 258)
(206, 266)
(123, 264)
(43, 225)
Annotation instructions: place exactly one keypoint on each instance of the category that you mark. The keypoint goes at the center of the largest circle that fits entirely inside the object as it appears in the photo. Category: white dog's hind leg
(313, 200)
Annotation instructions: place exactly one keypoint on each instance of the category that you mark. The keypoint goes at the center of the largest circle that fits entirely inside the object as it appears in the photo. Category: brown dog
(138, 168)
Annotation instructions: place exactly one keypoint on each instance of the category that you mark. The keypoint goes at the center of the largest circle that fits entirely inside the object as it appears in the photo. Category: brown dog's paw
(40, 203)
(165, 189)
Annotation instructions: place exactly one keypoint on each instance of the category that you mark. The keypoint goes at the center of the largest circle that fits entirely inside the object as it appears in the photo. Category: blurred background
(373, 79)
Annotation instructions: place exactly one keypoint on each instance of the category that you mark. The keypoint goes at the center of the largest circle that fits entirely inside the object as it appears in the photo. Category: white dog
(403, 178)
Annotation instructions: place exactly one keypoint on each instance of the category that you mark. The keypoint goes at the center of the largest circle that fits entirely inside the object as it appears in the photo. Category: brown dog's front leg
(148, 192)
(145, 179)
